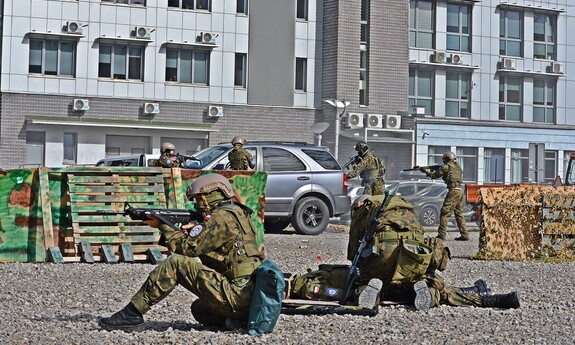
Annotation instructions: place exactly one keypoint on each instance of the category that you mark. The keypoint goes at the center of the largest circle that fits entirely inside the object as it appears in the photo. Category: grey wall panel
(271, 52)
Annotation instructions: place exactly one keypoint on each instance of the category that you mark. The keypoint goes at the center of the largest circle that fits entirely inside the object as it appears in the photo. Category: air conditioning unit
(74, 28)
(208, 37)
(374, 121)
(456, 58)
(392, 121)
(151, 108)
(142, 32)
(508, 63)
(215, 111)
(556, 67)
(439, 56)
(354, 120)
(81, 105)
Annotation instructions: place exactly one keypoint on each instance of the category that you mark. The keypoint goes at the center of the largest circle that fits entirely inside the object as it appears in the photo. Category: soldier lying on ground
(403, 264)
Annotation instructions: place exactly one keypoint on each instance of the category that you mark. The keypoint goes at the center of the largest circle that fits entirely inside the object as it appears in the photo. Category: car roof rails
(270, 142)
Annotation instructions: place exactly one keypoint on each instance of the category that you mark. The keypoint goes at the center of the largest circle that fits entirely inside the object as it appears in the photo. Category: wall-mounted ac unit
(208, 37)
(508, 63)
(74, 28)
(374, 121)
(142, 32)
(151, 108)
(392, 121)
(556, 67)
(81, 105)
(456, 58)
(215, 111)
(439, 56)
(354, 120)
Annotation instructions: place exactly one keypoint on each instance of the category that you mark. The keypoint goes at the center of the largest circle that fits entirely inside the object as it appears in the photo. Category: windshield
(205, 156)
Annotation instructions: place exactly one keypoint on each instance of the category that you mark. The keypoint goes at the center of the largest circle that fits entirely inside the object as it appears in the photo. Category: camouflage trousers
(373, 187)
(453, 203)
(222, 296)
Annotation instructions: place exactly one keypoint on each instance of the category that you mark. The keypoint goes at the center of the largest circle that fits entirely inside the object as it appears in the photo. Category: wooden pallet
(92, 190)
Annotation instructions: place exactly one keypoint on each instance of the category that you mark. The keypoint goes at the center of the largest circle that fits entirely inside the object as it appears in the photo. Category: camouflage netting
(524, 223)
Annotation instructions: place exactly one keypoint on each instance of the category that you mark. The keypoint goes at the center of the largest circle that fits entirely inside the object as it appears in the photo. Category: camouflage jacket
(240, 159)
(369, 168)
(451, 173)
(163, 161)
(225, 241)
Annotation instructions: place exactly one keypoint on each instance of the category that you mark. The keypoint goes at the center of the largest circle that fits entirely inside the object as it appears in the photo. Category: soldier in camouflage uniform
(370, 169)
(452, 175)
(168, 157)
(239, 158)
(213, 259)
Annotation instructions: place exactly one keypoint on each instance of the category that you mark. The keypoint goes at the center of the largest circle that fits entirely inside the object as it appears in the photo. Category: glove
(422, 169)
(152, 221)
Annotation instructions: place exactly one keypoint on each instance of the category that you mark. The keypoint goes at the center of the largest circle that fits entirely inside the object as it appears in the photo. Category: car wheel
(275, 226)
(429, 216)
(311, 216)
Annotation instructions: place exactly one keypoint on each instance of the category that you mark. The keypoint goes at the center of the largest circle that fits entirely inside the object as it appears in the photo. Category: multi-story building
(85, 79)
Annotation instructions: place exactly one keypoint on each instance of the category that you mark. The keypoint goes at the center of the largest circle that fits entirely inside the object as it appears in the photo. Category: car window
(406, 189)
(132, 162)
(223, 163)
(432, 191)
(323, 158)
(205, 156)
(276, 159)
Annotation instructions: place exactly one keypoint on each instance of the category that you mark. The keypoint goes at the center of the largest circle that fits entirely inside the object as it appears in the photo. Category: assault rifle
(352, 160)
(166, 215)
(353, 272)
(181, 158)
(432, 168)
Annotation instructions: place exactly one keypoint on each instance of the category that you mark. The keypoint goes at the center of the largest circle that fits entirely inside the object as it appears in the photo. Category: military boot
(127, 319)
(506, 301)
(423, 298)
(369, 297)
(480, 287)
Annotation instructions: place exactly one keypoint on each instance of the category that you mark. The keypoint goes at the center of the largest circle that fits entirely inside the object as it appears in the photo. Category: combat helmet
(448, 156)
(167, 146)
(361, 147)
(208, 183)
(238, 140)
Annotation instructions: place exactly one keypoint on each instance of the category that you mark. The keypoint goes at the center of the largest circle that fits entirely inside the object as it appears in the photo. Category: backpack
(266, 303)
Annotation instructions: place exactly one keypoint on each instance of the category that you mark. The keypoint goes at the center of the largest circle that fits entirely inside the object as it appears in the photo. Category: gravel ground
(61, 304)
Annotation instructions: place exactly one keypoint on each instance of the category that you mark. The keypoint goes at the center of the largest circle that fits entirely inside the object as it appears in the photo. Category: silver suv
(305, 187)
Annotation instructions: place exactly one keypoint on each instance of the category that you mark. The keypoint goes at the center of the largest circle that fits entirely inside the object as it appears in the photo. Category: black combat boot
(127, 319)
(480, 287)
(423, 299)
(507, 301)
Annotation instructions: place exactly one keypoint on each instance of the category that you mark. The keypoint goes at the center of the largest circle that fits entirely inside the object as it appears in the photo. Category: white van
(141, 160)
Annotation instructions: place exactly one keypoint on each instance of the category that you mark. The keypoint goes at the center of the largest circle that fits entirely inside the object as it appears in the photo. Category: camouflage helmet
(361, 147)
(167, 146)
(448, 156)
(238, 140)
(209, 183)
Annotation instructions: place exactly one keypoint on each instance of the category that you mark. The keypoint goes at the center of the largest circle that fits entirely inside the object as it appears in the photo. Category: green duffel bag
(412, 262)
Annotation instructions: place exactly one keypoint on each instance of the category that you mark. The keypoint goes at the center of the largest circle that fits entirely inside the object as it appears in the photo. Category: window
(550, 166)
(421, 89)
(240, 70)
(435, 154)
(364, 54)
(544, 36)
(35, 143)
(188, 66)
(242, 7)
(52, 57)
(70, 148)
(121, 61)
(519, 166)
(421, 24)
(458, 24)
(510, 33)
(302, 9)
(467, 160)
(301, 74)
(457, 94)
(192, 4)
(128, 2)
(544, 100)
(281, 160)
(493, 165)
(510, 98)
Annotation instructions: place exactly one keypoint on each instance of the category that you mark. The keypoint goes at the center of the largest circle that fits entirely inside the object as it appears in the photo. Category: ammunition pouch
(325, 284)
(412, 262)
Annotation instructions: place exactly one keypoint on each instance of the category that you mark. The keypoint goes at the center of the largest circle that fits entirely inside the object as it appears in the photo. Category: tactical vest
(237, 160)
(245, 257)
(454, 176)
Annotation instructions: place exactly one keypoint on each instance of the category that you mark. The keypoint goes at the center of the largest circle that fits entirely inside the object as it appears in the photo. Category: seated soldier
(402, 259)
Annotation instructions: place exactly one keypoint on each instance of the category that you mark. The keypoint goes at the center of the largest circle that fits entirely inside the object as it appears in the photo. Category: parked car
(305, 187)
(141, 160)
(427, 205)
(409, 187)
(353, 191)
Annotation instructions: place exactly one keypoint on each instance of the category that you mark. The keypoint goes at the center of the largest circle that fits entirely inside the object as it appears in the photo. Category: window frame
(550, 47)
(460, 34)
(206, 5)
(467, 159)
(504, 103)
(240, 70)
(300, 82)
(489, 152)
(114, 57)
(58, 62)
(463, 93)
(242, 7)
(550, 165)
(519, 159)
(127, 2)
(70, 147)
(415, 32)
(504, 33)
(548, 104)
(414, 97)
(302, 10)
(192, 66)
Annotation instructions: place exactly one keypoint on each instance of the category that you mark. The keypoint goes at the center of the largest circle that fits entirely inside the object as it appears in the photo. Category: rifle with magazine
(353, 272)
(431, 168)
(352, 160)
